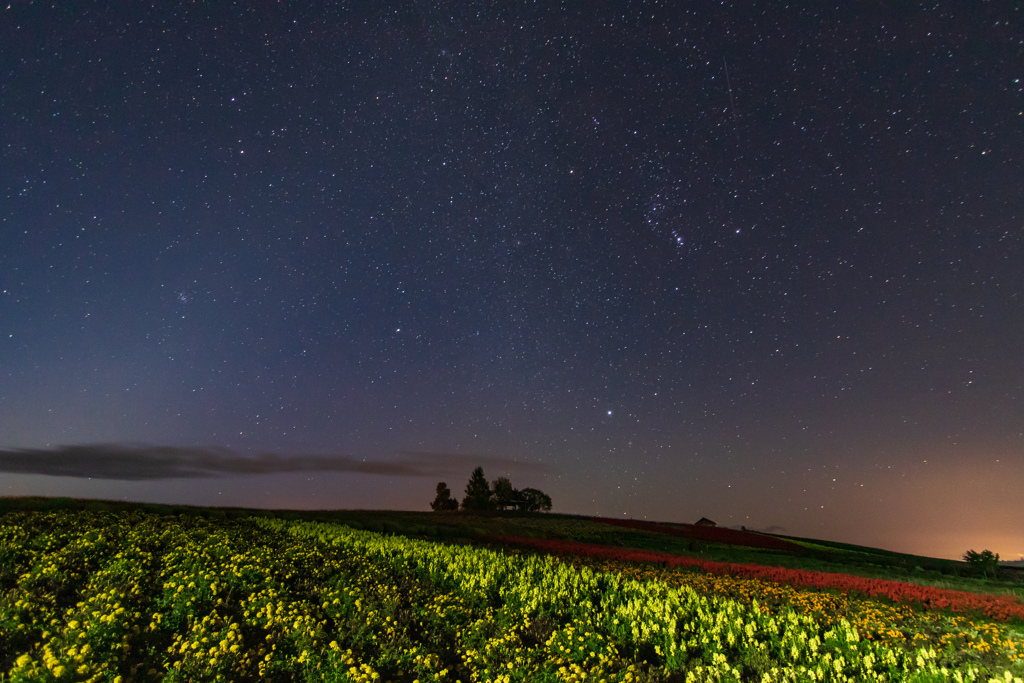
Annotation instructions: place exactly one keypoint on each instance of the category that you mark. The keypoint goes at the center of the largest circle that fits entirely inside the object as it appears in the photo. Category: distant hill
(712, 543)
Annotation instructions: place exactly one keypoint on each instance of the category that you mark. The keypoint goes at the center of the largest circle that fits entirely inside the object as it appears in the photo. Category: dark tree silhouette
(985, 562)
(444, 500)
(535, 500)
(504, 494)
(518, 501)
(478, 493)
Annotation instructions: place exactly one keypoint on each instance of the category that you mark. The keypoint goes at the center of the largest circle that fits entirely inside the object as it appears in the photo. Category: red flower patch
(997, 607)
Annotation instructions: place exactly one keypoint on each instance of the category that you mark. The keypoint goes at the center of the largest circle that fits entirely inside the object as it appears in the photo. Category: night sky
(660, 260)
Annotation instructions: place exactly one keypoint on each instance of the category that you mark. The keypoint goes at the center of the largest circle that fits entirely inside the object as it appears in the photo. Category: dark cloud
(136, 463)
(773, 529)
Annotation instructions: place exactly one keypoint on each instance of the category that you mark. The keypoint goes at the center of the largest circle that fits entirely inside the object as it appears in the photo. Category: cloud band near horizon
(140, 463)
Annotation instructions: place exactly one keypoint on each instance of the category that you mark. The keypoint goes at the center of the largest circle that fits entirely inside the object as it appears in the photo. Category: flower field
(899, 625)
(997, 607)
(130, 596)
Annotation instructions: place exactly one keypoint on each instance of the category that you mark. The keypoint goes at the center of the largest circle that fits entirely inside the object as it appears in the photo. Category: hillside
(685, 540)
(103, 590)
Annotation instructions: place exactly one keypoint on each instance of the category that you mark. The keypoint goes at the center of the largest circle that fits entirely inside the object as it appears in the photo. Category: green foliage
(819, 555)
(479, 497)
(444, 501)
(985, 562)
(102, 595)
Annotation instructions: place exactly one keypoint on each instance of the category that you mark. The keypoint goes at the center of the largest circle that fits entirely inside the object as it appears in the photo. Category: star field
(754, 263)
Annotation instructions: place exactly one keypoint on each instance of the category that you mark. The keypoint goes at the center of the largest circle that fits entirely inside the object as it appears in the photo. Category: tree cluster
(444, 501)
(986, 562)
(484, 496)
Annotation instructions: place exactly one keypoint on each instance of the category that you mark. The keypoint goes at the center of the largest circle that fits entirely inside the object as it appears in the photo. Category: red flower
(997, 607)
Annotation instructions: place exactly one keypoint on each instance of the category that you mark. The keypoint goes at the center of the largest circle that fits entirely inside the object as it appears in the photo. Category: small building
(704, 521)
